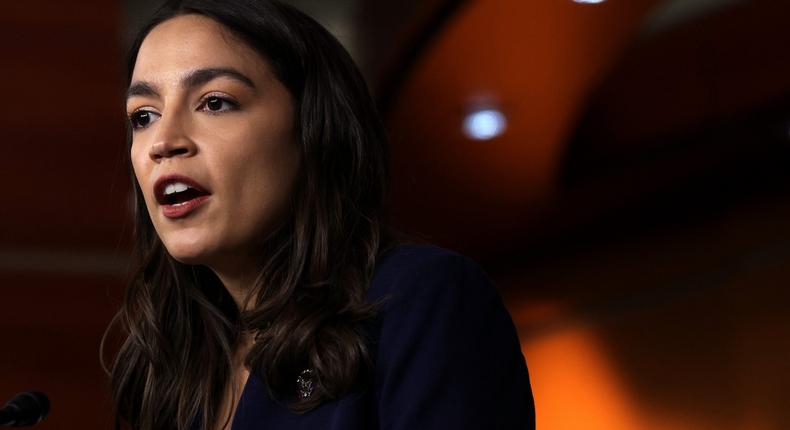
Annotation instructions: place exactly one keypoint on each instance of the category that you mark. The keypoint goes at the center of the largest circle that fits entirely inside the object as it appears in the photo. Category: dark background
(634, 213)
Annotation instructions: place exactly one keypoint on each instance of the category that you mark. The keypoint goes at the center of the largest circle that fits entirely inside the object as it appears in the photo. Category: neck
(239, 280)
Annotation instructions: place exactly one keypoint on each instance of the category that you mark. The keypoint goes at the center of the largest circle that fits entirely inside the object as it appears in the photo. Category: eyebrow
(192, 79)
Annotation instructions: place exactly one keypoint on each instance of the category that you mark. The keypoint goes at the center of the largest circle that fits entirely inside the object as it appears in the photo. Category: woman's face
(214, 147)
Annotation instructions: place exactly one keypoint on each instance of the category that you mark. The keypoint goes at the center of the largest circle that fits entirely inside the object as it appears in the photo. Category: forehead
(189, 42)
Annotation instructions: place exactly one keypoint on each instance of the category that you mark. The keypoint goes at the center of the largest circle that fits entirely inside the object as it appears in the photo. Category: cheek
(141, 171)
(262, 183)
(135, 154)
(263, 157)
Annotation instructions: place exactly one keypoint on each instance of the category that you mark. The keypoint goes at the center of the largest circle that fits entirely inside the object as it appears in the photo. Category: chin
(191, 246)
(191, 253)
(190, 258)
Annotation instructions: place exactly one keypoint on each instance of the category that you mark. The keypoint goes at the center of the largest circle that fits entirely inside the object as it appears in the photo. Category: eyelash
(135, 116)
(233, 104)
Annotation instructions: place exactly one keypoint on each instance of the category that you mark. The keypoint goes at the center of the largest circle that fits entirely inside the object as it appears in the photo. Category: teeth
(176, 187)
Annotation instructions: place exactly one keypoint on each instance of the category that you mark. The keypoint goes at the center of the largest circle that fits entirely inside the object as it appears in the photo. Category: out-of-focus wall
(646, 279)
(681, 327)
(62, 215)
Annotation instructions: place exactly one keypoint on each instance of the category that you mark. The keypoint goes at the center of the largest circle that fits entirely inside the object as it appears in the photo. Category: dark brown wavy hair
(179, 325)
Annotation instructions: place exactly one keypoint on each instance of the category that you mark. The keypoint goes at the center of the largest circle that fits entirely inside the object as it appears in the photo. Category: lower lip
(183, 209)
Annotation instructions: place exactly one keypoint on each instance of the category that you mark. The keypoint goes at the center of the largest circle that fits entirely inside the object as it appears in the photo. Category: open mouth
(179, 195)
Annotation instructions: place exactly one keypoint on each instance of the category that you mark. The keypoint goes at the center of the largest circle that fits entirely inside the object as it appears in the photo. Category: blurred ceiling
(537, 65)
(579, 84)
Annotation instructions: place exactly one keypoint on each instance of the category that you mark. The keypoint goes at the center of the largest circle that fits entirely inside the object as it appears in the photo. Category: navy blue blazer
(446, 357)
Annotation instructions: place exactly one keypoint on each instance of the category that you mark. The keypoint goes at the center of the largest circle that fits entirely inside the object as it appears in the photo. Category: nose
(172, 140)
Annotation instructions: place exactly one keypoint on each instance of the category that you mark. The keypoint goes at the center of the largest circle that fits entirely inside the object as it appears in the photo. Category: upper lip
(164, 181)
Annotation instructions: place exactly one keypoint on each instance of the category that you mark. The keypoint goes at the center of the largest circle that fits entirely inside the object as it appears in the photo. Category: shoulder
(410, 272)
(426, 293)
(446, 352)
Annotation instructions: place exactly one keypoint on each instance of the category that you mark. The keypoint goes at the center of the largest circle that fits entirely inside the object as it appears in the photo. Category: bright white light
(589, 1)
(485, 124)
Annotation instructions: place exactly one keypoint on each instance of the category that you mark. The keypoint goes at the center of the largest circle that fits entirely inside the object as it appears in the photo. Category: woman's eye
(217, 104)
(143, 118)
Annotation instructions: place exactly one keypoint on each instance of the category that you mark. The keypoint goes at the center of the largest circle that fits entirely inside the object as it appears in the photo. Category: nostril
(174, 152)
(171, 148)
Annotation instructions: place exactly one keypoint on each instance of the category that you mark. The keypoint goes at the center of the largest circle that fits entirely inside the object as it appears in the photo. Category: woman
(269, 293)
